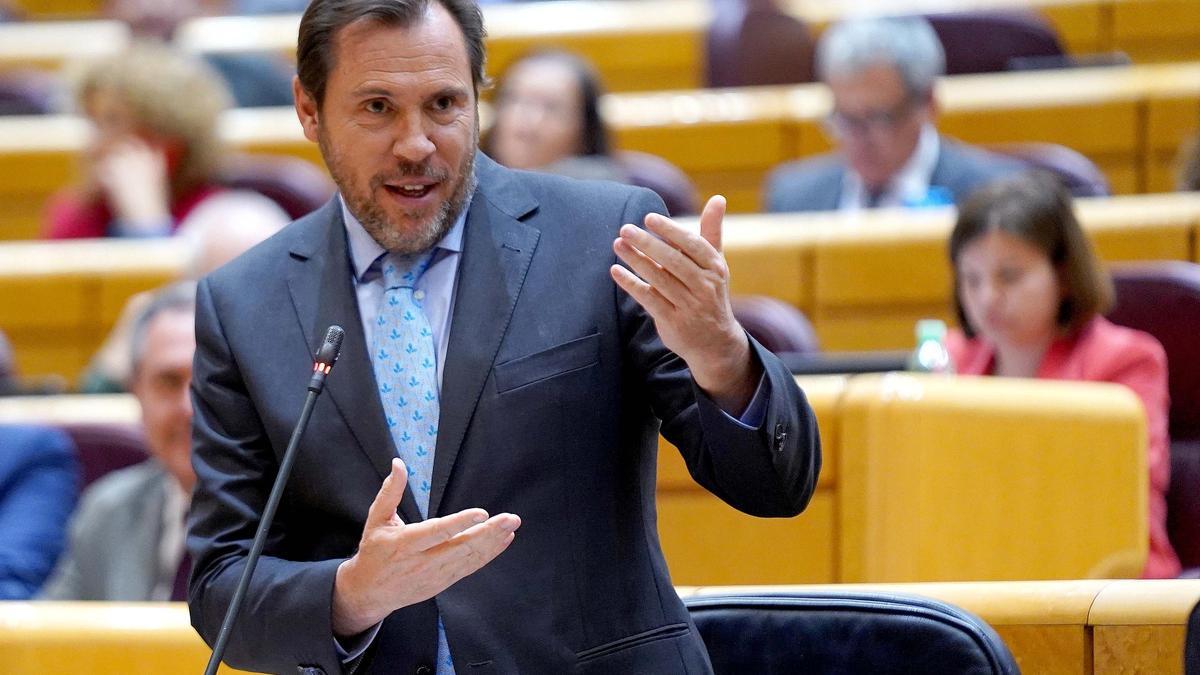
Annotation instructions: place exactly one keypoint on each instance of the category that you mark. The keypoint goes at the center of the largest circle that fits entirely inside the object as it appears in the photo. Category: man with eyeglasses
(881, 73)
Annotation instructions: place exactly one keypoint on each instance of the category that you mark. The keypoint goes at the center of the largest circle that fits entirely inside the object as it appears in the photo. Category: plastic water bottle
(931, 355)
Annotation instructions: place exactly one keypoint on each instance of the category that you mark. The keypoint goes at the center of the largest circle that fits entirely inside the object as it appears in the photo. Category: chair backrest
(751, 42)
(1163, 299)
(987, 41)
(105, 447)
(779, 326)
(846, 633)
(297, 185)
(669, 181)
(27, 92)
(1191, 648)
(1081, 176)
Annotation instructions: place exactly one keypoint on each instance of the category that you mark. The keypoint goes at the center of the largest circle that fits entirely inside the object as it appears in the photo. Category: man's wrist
(350, 617)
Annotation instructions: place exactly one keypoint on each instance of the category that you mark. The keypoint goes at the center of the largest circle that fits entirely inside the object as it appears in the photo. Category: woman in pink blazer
(1030, 296)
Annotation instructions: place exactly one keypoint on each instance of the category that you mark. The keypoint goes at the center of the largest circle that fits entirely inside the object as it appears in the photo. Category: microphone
(327, 355)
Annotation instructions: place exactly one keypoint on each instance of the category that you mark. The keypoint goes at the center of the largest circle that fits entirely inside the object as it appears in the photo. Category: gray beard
(374, 220)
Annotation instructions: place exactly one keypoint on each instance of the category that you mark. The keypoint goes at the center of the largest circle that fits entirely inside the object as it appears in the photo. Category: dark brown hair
(1036, 207)
(324, 18)
(593, 133)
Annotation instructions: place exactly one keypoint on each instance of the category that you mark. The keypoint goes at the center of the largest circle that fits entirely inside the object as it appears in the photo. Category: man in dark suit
(483, 323)
(881, 74)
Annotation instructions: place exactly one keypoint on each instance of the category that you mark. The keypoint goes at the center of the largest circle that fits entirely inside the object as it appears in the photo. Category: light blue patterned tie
(405, 363)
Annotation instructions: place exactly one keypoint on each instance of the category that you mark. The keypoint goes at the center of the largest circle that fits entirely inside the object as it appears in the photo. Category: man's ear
(307, 110)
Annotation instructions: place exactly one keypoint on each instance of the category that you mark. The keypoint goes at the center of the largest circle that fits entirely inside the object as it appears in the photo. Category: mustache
(408, 170)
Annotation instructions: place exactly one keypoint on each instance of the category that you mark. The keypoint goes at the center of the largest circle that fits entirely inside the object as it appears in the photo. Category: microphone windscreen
(331, 349)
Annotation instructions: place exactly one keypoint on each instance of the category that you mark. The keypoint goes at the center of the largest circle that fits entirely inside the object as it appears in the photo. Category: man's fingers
(710, 221)
(429, 533)
(383, 509)
(670, 286)
(476, 546)
(654, 303)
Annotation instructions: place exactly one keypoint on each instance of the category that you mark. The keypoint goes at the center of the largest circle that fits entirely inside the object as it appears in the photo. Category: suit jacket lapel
(322, 290)
(497, 250)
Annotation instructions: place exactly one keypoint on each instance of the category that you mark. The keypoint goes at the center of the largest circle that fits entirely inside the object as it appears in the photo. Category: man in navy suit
(881, 74)
(555, 367)
(39, 484)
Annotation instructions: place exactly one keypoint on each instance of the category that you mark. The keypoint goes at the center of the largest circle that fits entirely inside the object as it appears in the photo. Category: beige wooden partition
(929, 478)
(956, 479)
(1059, 627)
(864, 279)
(1051, 628)
(59, 300)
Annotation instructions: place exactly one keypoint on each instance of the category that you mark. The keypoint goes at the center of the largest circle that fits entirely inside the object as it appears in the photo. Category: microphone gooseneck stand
(331, 348)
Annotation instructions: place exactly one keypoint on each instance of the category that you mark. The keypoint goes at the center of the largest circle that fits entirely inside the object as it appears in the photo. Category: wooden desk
(864, 278)
(1155, 30)
(727, 140)
(100, 638)
(61, 298)
(932, 478)
(708, 542)
(50, 45)
(1054, 627)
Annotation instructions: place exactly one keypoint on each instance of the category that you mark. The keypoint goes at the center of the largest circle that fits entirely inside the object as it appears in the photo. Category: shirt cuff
(752, 417)
(352, 648)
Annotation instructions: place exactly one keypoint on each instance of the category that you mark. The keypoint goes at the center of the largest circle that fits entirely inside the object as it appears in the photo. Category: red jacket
(1103, 352)
(68, 217)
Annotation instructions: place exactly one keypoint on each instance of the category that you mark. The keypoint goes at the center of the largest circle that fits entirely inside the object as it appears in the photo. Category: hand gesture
(398, 564)
(682, 281)
(132, 175)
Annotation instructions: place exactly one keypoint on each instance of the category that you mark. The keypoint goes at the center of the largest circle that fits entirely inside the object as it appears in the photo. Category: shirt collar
(364, 250)
(911, 183)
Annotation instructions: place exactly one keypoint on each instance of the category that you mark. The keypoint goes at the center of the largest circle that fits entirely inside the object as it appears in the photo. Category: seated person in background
(1030, 296)
(547, 118)
(154, 159)
(126, 539)
(213, 244)
(39, 483)
(254, 78)
(882, 73)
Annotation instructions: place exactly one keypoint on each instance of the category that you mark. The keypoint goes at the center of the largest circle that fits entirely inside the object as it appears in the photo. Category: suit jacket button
(424, 670)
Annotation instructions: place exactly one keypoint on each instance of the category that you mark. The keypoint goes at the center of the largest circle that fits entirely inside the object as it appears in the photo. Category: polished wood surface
(1068, 627)
(1050, 628)
(1129, 121)
(100, 638)
(954, 479)
(61, 298)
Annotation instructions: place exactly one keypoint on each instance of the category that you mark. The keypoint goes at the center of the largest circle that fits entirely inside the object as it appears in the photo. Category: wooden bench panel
(915, 451)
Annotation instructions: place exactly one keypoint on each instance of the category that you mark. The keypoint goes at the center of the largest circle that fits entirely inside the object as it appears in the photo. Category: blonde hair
(170, 94)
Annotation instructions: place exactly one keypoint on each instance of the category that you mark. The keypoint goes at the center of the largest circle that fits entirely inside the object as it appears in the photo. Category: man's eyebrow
(371, 91)
(452, 92)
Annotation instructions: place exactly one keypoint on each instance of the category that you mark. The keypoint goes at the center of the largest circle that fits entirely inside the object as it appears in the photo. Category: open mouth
(411, 190)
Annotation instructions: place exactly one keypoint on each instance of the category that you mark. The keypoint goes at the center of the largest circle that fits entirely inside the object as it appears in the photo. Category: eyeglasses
(879, 123)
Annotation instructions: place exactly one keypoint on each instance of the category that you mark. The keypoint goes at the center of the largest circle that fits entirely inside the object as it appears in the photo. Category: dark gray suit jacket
(113, 551)
(553, 389)
(816, 184)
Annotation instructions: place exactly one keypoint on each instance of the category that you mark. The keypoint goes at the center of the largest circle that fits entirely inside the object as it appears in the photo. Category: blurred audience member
(267, 6)
(214, 244)
(126, 540)
(1030, 296)
(1189, 165)
(39, 483)
(882, 73)
(547, 118)
(155, 155)
(254, 79)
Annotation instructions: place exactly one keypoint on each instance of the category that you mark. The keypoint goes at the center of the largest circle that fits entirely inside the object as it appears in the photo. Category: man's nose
(412, 142)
